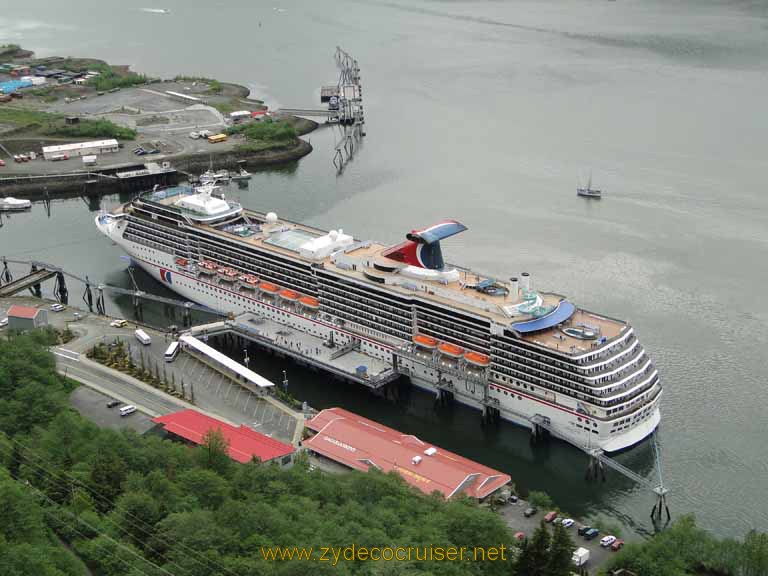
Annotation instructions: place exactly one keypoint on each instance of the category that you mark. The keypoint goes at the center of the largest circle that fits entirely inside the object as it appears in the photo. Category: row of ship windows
(345, 289)
(541, 374)
(397, 318)
(261, 269)
(456, 333)
(349, 312)
(566, 391)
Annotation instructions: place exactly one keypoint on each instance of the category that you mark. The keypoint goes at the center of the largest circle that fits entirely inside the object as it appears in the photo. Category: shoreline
(205, 102)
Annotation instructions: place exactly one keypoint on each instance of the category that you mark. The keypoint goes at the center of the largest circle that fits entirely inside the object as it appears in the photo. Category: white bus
(125, 410)
(143, 337)
(172, 352)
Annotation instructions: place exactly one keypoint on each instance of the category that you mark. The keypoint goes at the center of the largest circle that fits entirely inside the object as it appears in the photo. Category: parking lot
(211, 390)
(512, 514)
(93, 406)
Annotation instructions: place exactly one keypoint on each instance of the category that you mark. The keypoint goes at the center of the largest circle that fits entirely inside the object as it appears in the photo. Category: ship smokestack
(514, 289)
(525, 282)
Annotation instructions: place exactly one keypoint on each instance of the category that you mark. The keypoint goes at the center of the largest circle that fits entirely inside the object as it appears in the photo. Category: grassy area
(53, 124)
(226, 107)
(109, 80)
(266, 131)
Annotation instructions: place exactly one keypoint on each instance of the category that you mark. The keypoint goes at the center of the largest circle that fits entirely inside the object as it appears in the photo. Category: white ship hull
(514, 405)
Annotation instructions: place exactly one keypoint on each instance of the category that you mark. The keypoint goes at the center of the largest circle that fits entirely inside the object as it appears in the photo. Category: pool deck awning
(560, 314)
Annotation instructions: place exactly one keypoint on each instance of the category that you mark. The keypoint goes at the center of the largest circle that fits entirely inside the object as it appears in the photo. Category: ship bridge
(198, 204)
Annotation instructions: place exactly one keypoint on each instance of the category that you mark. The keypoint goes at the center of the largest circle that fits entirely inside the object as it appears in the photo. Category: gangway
(598, 459)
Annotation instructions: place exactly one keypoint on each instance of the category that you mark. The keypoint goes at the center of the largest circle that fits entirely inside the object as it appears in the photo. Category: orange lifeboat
(270, 288)
(451, 349)
(181, 261)
(290, 295)
(477, 359)
(309, 302)
(425, 341)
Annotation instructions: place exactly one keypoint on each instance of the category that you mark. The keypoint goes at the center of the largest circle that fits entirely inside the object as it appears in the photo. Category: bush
(93, 129)
(215, 86)
(266, 131)
(107, 80)
(540, 499)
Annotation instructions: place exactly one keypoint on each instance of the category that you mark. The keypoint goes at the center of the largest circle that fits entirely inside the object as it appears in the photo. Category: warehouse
(362, 444)
(81, 149)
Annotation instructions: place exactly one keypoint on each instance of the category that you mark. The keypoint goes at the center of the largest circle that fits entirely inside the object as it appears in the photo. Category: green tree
(540, 500)
(560, 553)
(108, 471)
(535, 556)
(214, 452)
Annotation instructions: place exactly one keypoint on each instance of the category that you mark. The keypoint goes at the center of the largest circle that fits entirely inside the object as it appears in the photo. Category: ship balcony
(635, 405)
(605, 365)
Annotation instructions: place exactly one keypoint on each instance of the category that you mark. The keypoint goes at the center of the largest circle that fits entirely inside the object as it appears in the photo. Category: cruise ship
(531, 356)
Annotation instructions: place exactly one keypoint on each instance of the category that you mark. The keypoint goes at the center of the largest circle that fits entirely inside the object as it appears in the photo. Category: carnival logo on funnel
(165, 275)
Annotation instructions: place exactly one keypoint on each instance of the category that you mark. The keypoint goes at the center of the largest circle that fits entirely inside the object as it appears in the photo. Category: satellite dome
(333, 234)
(271, 218)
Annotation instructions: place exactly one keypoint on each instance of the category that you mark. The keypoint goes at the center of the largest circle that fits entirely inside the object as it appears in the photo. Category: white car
(3, 322)
(119, 323)
(568, 522)
(57, 307)
(607, 541)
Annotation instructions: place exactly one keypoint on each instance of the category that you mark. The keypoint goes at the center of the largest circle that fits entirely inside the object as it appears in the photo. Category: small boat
(243, 174)
(289, 295)
(451, 350)
(269, 288)
(588, 191)
(309, 302)
(477, 359)
(211, 177)
(12, 204)
(425, 341)
(182, 262)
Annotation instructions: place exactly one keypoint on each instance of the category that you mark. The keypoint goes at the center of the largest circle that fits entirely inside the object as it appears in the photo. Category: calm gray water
(490, 112)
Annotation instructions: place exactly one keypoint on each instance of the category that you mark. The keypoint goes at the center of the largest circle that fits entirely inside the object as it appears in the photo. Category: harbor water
(492, 113)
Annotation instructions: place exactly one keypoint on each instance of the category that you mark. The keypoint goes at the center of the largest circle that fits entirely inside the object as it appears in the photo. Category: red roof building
(244, 442)
(26, 318)
(360, 443)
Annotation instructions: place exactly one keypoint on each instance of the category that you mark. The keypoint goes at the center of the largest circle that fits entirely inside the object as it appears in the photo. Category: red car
(617, 545)
(550, 516)
(519, 535)
(2, 163)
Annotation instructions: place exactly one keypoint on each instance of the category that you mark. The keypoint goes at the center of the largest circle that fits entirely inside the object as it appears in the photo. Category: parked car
(584, 529)
(550, 516)
(607, 541)
(567, 522)
(519, 535)
(3, 322)
(113, 403)
(529, 512)
(616, 546)
(591, 533)
(57, 307)
(2, 163)
(513, 499)
(118, 323)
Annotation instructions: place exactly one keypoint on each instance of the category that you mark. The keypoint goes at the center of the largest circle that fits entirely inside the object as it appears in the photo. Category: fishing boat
(14, 204)
(588, 191)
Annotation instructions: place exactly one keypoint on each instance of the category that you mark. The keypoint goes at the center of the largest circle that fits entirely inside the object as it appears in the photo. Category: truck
(580, 556)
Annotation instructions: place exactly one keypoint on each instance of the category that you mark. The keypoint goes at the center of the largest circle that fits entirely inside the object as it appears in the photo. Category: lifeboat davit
(309, 302)
(477, 359)
(451, 350)
(290, 295)
(425, 341)
(270, 288)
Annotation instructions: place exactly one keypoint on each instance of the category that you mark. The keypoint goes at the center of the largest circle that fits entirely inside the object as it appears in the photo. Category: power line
(119, 544)
(138, 524)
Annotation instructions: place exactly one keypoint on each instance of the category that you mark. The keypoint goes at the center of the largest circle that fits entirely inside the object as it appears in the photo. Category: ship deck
(284, 237)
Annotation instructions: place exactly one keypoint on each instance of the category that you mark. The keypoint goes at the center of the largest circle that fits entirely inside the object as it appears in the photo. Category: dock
(346, 362)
